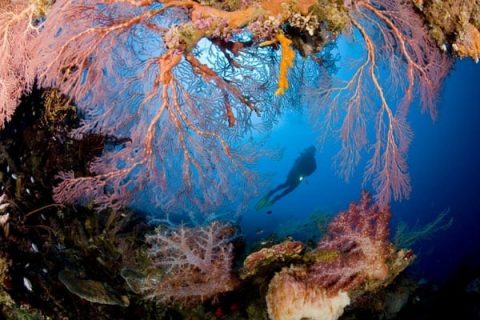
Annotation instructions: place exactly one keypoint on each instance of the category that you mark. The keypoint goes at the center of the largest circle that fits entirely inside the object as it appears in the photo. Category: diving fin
(263, 203)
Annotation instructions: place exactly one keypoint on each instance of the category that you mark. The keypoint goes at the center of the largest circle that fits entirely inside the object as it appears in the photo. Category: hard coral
(291, 296)
(195, 263)
(263, 258)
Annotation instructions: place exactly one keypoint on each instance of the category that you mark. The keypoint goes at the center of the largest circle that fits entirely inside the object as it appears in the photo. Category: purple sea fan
(193, 264)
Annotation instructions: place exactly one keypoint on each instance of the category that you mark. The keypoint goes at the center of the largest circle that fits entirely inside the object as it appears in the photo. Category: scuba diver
(304, 166)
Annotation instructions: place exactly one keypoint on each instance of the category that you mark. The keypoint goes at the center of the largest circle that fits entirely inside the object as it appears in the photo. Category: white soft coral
(194, 263)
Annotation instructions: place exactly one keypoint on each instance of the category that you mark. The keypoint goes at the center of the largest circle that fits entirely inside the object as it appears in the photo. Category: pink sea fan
(18, 29)
(369, 107)
(194, 263)
(183, 121)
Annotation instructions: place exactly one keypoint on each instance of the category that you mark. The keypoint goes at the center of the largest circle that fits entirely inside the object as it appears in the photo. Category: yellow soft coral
(288, 55)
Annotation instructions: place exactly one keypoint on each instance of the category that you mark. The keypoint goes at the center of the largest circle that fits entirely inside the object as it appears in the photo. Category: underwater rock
(265, 257)
(92, 291)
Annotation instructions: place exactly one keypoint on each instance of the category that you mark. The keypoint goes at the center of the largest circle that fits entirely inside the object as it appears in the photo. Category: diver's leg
(284, 193)
(277, 188)
(265, 201)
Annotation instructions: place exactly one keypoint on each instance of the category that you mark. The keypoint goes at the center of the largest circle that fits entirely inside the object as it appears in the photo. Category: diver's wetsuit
(304, 166)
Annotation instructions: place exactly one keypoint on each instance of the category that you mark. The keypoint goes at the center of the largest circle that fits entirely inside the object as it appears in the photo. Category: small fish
(34, 248)
(27, 284)
(259, 231)
(269, 212)
(44, 270)
(8, 169)
(14, 176)
(32, 180)
(28, 191)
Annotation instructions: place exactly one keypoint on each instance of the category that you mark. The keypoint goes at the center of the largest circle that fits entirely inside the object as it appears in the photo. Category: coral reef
(156, 98)
(454, 23)
(360, 235)
(363, 261)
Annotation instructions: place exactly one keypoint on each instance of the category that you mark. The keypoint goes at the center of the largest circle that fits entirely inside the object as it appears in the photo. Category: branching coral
(194, 263)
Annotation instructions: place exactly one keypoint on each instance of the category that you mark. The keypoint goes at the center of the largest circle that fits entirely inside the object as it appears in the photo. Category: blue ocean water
(444, 164)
